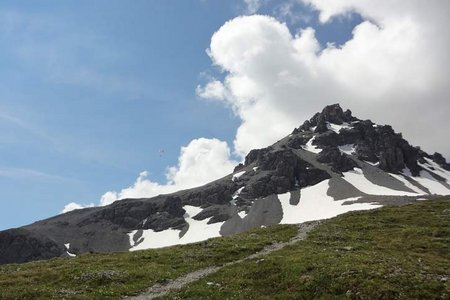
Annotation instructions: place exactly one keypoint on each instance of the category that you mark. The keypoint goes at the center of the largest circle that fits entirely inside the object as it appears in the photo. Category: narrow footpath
(159, 290)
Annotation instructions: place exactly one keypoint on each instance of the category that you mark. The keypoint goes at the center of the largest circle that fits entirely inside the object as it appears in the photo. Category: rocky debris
(339, 162)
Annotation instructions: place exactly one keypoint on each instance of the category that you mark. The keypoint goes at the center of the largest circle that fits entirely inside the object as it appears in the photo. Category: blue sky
(92, 91)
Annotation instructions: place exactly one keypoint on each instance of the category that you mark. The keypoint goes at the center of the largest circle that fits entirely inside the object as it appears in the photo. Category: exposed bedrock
(216, 213)
(374, 144)
(331, 113)
(439, 159)
(215, 193)
(279, 171)
(159, 214)
(333, 157)
(21, 245)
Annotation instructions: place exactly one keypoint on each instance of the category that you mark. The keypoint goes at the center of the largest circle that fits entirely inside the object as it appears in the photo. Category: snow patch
(255, 169)
(432, 184)
(237, 175)
(425, 179)
(315, 204)
(242, 214)
(310, 147)
(67, 250)
(408, 184)
(236, 195)
(348, 149)
(357, 179)
(436, 169)
(371, 163)
(336, 128)
(407, 172)
(198, 231)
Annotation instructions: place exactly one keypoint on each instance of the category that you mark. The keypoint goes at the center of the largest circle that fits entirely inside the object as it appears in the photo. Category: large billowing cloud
(200, 162)
(393, 70)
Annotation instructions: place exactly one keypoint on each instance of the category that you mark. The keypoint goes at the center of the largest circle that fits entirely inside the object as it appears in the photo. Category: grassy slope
(108, 276)
(391, 253)
(394, 252)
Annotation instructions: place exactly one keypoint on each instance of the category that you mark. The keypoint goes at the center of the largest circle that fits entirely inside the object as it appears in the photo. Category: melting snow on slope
(237, 175)
(67, 250)
(315, 204)
(358, 180)
(310, 147)
(242, 214)
(408, 184)
(347, 149)
(436, 169)
(425, 179)
(432, 184)
(336, 128)
(198, 231)
(236, 195)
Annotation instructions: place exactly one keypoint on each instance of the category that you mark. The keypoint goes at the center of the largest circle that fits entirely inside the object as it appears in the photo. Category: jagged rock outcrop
(338, 161)
(280, 170)
(376, 144)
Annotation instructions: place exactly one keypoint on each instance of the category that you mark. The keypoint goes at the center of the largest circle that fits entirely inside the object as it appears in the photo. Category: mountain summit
(331, 164)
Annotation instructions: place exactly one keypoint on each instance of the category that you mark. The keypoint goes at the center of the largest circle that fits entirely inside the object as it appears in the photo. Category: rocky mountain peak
(333, 163)
(332, 114)
(333, 129)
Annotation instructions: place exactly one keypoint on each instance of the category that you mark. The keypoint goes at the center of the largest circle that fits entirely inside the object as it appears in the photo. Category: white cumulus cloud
(73, 206)
(200, 162)
(392, 70)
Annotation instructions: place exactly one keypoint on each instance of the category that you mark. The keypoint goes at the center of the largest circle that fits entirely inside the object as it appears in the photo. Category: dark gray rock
(217, 213)
(238, 168)
(265, 212)
(281, 171)
(21, 245)
(326, 139)
(440, 160)
(321, 126)
(299, 140)
(333, 157)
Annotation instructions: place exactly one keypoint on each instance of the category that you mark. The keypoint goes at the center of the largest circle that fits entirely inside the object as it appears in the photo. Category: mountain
(331, 164)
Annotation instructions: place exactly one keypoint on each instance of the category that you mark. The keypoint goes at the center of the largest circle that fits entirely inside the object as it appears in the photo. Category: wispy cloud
(34, 175)
(252, 5)
(13, 119)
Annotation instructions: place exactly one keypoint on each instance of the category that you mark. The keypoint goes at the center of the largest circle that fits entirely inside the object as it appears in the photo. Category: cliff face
(331, 164)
